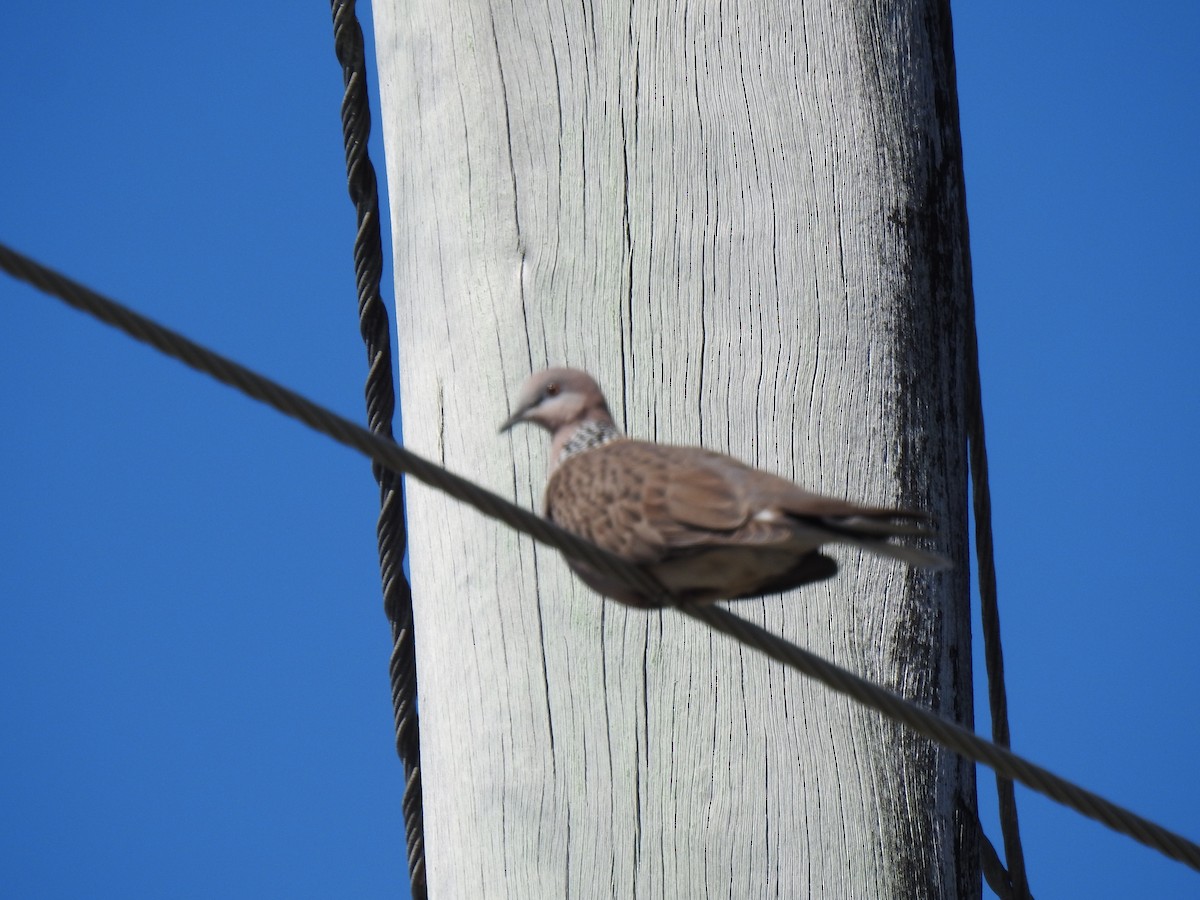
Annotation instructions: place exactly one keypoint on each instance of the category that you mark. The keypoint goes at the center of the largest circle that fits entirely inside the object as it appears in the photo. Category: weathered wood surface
(746, 220)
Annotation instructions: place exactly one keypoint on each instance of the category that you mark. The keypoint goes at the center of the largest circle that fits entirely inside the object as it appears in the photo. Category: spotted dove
(705, 525)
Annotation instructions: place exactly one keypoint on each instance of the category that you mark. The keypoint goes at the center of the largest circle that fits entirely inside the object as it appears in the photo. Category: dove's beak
(515, 419)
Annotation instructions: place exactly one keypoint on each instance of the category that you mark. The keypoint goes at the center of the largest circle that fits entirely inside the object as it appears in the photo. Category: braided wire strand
(387, 453)
(375, 329)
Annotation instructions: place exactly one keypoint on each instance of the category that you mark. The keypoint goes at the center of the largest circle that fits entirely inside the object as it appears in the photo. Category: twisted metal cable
(989, 607)
(381, 405)
(389, 454)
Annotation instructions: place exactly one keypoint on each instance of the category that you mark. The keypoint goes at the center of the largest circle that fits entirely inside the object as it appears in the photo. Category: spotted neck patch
(587, 436)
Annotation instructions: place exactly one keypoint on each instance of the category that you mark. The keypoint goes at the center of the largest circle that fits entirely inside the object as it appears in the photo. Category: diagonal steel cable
(381, 405)
(387, 453)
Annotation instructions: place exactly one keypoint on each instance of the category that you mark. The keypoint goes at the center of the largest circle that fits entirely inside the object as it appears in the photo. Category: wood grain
(746, 220)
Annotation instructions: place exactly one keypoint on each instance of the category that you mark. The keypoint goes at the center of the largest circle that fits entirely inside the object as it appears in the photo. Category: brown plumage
(707, 526)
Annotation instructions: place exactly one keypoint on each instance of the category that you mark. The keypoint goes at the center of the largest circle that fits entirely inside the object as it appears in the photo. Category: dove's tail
(914, 556)
(872, 534)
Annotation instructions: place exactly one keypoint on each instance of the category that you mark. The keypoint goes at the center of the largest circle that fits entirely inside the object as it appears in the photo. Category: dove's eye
(552, 390)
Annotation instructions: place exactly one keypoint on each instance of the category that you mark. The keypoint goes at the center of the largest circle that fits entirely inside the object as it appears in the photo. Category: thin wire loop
(989, 607)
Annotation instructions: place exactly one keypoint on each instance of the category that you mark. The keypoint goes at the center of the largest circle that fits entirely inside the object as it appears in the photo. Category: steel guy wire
(388, 453)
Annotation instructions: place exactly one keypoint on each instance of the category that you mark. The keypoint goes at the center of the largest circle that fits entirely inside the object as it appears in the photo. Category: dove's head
(560, 400)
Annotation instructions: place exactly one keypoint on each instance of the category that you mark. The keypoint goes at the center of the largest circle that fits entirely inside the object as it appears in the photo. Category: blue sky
(193, 655)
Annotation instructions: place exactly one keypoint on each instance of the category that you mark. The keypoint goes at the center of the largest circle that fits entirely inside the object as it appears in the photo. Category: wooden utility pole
(746, 220)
